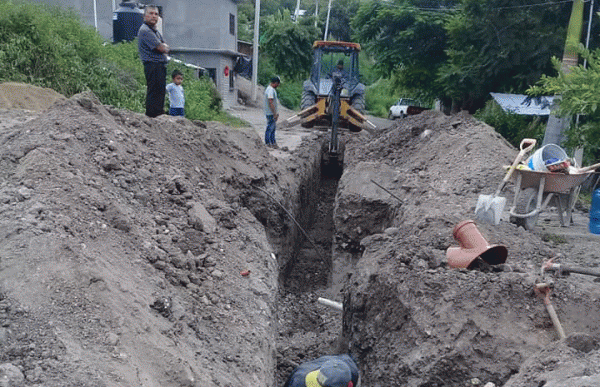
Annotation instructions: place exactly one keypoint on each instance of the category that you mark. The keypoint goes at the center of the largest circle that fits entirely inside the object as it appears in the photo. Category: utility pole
(327, 22)
(556, 126)
(297, 11)
(578, 154)
(95, 16)
(587, 39)
(316, 12)
(255, 50)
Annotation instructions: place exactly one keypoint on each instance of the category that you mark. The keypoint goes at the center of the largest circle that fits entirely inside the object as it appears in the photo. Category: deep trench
(307, 329)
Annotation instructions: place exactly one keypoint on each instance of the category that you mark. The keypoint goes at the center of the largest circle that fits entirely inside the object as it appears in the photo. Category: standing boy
(271, 105)
(176, 95)
(153, 53)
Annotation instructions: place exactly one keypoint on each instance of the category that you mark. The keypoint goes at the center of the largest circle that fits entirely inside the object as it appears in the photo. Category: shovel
(489, 207)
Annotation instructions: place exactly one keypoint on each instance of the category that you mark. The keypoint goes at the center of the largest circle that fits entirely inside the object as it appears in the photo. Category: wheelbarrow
(534, 191)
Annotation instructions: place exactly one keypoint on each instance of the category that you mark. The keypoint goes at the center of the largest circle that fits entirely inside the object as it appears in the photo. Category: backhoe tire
(358, 103)
(308, 99)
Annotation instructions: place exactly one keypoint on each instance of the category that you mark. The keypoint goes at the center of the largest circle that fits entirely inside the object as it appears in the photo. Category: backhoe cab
(332, 97)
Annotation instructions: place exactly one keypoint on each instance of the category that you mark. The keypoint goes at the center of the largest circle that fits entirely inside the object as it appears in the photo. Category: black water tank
(127, 20)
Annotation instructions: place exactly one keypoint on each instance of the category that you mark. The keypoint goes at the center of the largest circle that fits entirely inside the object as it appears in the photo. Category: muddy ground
(165, 252)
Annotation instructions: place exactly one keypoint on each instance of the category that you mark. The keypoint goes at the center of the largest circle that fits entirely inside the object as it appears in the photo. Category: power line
(549, 3)
(539, 4)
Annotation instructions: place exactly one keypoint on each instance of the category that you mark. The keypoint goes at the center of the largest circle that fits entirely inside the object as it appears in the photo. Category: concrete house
(200, 32)
(204, 33)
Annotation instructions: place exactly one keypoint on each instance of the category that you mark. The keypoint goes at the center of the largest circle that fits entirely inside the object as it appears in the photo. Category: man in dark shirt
(153, 53)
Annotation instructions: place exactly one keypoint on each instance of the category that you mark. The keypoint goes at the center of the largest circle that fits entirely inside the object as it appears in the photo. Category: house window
(212, 74)
(232, 24)
(231, 82)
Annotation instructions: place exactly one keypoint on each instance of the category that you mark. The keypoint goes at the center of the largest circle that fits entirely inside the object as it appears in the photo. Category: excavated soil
(165, 252)
(412, 321)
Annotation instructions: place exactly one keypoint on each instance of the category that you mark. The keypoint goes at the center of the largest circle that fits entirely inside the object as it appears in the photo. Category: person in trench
(326, 371)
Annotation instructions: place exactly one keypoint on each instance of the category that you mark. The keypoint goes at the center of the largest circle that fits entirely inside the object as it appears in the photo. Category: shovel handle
(526, 145)
(588, 168)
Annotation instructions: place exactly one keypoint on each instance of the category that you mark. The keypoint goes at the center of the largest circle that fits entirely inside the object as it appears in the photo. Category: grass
(555, 239)
(233, 121)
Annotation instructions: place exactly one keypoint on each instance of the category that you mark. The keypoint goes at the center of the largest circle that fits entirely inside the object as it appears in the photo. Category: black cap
(275, 80)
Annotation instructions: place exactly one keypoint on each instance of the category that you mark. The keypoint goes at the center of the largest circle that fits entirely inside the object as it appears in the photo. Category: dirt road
(287, 137)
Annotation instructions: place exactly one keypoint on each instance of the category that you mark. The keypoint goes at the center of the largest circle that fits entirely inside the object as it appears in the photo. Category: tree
(271, 7)
(461, 51)
(580, 94)
(246, 21)
(341, 15)
(404, 40)
(501, 46)
(288, 44)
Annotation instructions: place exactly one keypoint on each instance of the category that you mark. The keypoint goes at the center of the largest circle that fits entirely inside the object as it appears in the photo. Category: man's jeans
(270, 131)
(176, 112)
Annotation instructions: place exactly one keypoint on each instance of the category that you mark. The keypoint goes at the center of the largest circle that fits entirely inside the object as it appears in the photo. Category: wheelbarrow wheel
(526, 203)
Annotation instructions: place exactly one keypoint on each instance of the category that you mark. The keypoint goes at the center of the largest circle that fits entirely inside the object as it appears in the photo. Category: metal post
(327, 22)
(255, 51)
(297, 11)
(316, 12)
(578, 154)
(95, 16)
(587, 39)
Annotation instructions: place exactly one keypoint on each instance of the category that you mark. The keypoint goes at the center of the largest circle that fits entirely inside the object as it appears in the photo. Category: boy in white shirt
(176, 95)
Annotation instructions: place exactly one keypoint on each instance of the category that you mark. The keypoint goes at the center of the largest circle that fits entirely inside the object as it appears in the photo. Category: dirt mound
(138, 251)
(411, 320)
(127, 255)
(23, 96)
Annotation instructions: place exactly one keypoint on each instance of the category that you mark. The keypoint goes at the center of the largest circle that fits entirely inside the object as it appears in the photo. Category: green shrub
(201, 100)
(513, 127)
(46, 46)
(266, 69)
(290, 93)
(379, 97)
(51, 47)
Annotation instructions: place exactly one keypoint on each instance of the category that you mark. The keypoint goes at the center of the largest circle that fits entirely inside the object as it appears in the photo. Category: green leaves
(405, 40)
(289, 45)
(52, 48)
(460, 51)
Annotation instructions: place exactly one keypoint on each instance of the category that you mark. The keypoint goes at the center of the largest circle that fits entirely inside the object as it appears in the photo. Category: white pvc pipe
(332, 304)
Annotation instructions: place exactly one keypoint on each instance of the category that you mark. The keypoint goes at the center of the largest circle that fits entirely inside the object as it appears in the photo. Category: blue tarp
(524, 104)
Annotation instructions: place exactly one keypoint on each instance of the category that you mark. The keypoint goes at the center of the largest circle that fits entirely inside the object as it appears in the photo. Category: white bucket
(537, 161)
